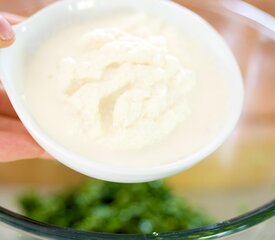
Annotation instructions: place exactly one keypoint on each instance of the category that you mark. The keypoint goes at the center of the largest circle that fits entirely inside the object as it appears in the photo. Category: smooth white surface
(34, 30)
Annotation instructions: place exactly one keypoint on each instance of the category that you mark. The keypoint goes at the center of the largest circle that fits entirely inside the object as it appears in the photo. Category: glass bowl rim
(214, 231)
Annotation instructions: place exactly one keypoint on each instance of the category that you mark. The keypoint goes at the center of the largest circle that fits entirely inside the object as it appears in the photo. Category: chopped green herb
(115, 208)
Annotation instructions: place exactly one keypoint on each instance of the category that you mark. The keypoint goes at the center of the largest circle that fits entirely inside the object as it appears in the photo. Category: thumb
(6, 33)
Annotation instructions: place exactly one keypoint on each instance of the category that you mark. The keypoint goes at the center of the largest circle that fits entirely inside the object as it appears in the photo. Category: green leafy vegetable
(115, 208)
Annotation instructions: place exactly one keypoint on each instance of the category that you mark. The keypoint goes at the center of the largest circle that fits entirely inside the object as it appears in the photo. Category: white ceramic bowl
(30, 34)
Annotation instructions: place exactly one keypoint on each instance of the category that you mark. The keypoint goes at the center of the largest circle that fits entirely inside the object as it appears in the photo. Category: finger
(6, 33)
(18, 146)
(12, 125)
(12, 18)
(5, 104)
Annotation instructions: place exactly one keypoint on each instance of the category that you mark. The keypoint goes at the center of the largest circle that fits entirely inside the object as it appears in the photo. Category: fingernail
(6, 31)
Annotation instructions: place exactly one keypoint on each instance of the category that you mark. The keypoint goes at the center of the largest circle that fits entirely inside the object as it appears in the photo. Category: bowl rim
(214, 231)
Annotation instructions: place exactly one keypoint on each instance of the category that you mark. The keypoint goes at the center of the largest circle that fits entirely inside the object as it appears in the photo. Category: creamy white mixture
(127, 90)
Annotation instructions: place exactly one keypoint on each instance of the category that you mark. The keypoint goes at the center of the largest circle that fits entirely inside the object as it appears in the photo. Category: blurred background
(246, 160)
(240, 176)
(27, 7)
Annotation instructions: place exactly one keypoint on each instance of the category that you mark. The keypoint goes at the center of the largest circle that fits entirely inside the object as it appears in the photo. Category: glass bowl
(236, 184)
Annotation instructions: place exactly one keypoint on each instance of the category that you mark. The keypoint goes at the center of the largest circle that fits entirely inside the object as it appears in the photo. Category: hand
(15, 141)
(6, 33)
